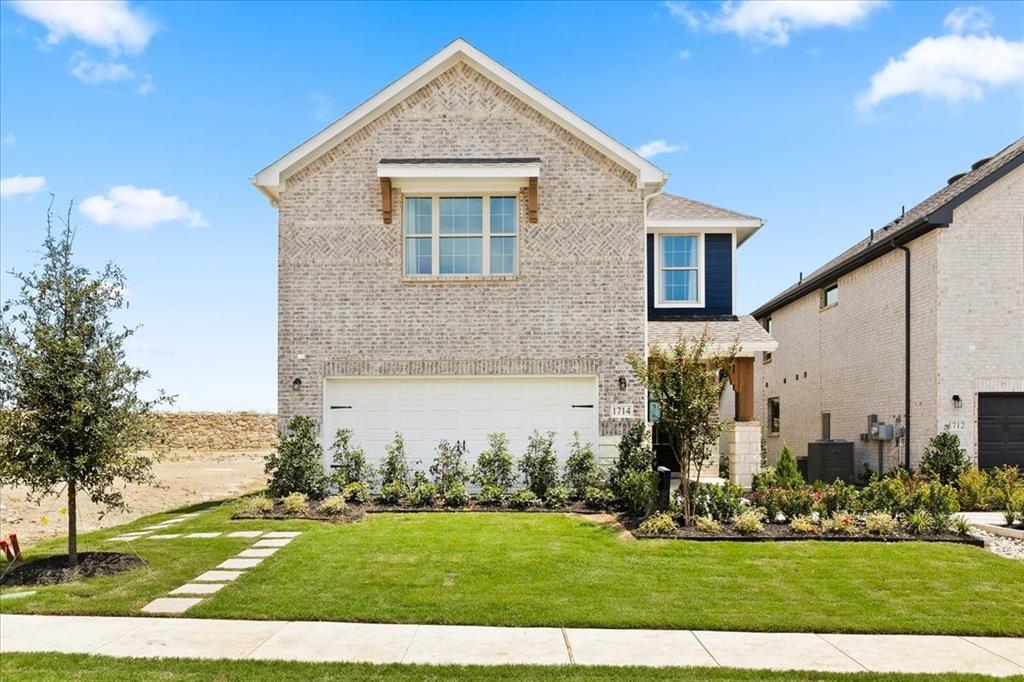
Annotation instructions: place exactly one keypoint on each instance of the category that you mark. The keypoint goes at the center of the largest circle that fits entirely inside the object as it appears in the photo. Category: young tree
(70, 414)
(686, 383)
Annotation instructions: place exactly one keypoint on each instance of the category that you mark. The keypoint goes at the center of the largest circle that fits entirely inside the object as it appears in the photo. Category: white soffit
(744, 227)
(271, 180)
(456, 177)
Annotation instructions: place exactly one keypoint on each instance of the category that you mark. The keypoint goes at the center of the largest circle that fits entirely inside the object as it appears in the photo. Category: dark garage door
(1000, 429)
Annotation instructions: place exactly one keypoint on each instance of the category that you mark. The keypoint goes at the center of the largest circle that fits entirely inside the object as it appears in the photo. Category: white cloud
(684, 54)
(20, 184)
(93, 72)
(112, 24)
(655, 147)
(968, 20)
(772, 21)
(9, 140)
(136, 208)
(146, 86)
(951, 67)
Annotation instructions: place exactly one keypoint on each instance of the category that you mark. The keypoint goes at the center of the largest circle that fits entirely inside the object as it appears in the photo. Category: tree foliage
(70, 414)
(296, 464)
(685, 381)
(349, 460)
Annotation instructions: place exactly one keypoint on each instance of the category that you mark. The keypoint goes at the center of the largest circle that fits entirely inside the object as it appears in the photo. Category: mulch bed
(54, 570)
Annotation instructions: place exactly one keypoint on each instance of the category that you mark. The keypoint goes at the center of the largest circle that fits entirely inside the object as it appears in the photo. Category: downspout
(906, 353)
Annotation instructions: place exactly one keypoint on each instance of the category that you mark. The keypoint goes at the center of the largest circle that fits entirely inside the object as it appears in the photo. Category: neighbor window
(678, 268)
(830, 295)
(460, 235)
(826, 426)
(773, 415)
(767, 323)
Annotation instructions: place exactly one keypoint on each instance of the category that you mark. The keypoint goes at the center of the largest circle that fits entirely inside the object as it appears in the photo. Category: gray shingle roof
(926, 211)
(674, 207)
(744, 330)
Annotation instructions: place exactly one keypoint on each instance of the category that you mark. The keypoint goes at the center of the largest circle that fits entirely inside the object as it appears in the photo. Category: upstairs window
(830, 295)
(461, 235)
(679, 269)
(773, 416)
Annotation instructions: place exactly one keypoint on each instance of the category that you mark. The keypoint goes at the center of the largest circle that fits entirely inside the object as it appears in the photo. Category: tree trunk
(72, 525)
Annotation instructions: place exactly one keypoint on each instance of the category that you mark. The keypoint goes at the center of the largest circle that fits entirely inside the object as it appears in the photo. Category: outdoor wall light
(296, 384)
(622, 383)
(957, 403)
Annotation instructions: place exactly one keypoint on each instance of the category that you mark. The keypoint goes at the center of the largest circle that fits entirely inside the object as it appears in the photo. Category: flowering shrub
(659, 524)
(839, 524)
(794, 502)
(881, 523)
(768, 498)
(834, 497)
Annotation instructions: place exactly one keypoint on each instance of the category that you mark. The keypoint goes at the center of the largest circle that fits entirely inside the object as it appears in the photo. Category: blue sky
(822, 118)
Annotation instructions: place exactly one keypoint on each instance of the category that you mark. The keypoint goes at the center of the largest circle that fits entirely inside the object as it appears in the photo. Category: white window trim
(436, 236)
(659, 300)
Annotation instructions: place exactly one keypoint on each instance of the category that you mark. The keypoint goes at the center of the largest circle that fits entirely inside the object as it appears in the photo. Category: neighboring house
(955, 264)
(461, 254)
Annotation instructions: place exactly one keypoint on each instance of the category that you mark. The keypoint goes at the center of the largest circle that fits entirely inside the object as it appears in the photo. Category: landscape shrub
(522, 499)
(749, 522)
(295, 503)
(881, 523)
(892, 493)
(803, 524)
(254, 505)
(839, 524)
(661, 523)
(580, 471)
(707, 525)
(393, 493)
(972, 487)
(490, 495)
(356, 492)
(719, 502)
(639, 490)
(834, 497)
(296, 464)
(635, 454)
(961, 526)
(769, 499)
(794, 502)
(349, 460)
(1008, 493)
(333, 505)
(765, 478)
(557, 498)
(449, 467)
(1013, 508)
(598, 498)
(916, 522)
(457, 496)
(422, 494)
(539, 465)
(786, 471)
(494, 467)
(938, 502)
(944, 459)
(394, 468)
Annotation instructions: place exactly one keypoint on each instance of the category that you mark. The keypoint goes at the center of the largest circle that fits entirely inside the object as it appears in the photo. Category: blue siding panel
(717, 281)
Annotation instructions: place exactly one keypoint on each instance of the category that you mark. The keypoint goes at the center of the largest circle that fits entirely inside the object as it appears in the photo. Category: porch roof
(743, 330)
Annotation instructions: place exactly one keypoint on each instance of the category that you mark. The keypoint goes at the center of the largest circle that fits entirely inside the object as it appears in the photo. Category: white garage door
(426, 410)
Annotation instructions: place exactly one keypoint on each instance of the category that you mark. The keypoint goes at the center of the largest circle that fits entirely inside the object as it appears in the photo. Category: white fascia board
(455, 170)
(744, 227)
(273, 176)
(474, 185)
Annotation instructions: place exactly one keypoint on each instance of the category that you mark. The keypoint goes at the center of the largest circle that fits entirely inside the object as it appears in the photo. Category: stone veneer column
(744, 452)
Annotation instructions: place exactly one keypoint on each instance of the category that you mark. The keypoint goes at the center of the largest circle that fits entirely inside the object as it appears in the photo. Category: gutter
(906, 352)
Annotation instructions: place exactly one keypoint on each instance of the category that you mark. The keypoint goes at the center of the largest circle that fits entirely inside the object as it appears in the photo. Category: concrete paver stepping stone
(192, 638)
(245, 534)
(171, 604)
(202, 535)
(475, 645)
(219, 576)
(1008, 647)
(165, 536)
(775, 650)
(253, 553)
(239, 563)
(592, 646)
(128, 537)
(283, 534)
(198, 588)
(340, 642)
(272, 542)
(70, 634)
(922, 654)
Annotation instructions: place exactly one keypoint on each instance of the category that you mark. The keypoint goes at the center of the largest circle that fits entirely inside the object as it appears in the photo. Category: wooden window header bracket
(385, 199)
(531, 201)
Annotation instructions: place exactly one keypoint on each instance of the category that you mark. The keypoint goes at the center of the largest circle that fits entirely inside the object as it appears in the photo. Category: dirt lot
(183, 478)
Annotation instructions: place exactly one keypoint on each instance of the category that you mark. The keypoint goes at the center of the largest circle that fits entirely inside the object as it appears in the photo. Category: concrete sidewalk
(473, 645)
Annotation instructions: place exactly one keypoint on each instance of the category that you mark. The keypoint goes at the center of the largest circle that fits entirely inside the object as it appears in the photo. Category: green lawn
(550, 569)
(59, 667)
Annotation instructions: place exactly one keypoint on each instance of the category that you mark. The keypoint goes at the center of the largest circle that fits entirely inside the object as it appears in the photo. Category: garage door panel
(427, 410)
(1001, 430)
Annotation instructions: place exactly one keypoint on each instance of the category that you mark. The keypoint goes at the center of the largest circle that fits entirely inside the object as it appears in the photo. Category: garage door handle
(341, 407)
(590, 406)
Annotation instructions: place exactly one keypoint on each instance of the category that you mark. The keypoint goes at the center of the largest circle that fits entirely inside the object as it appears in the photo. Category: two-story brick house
(461, 254)
(920, 324)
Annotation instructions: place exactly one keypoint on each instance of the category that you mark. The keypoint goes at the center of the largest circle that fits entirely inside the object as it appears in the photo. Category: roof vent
(955, 178)
(980, 162)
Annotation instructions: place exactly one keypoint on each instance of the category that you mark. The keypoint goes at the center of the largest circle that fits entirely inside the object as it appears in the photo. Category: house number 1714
(622, 410)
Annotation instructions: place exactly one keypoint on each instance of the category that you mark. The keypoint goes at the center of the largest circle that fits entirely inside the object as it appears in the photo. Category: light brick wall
(981, 304)
(576, 307)
(967, 335)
